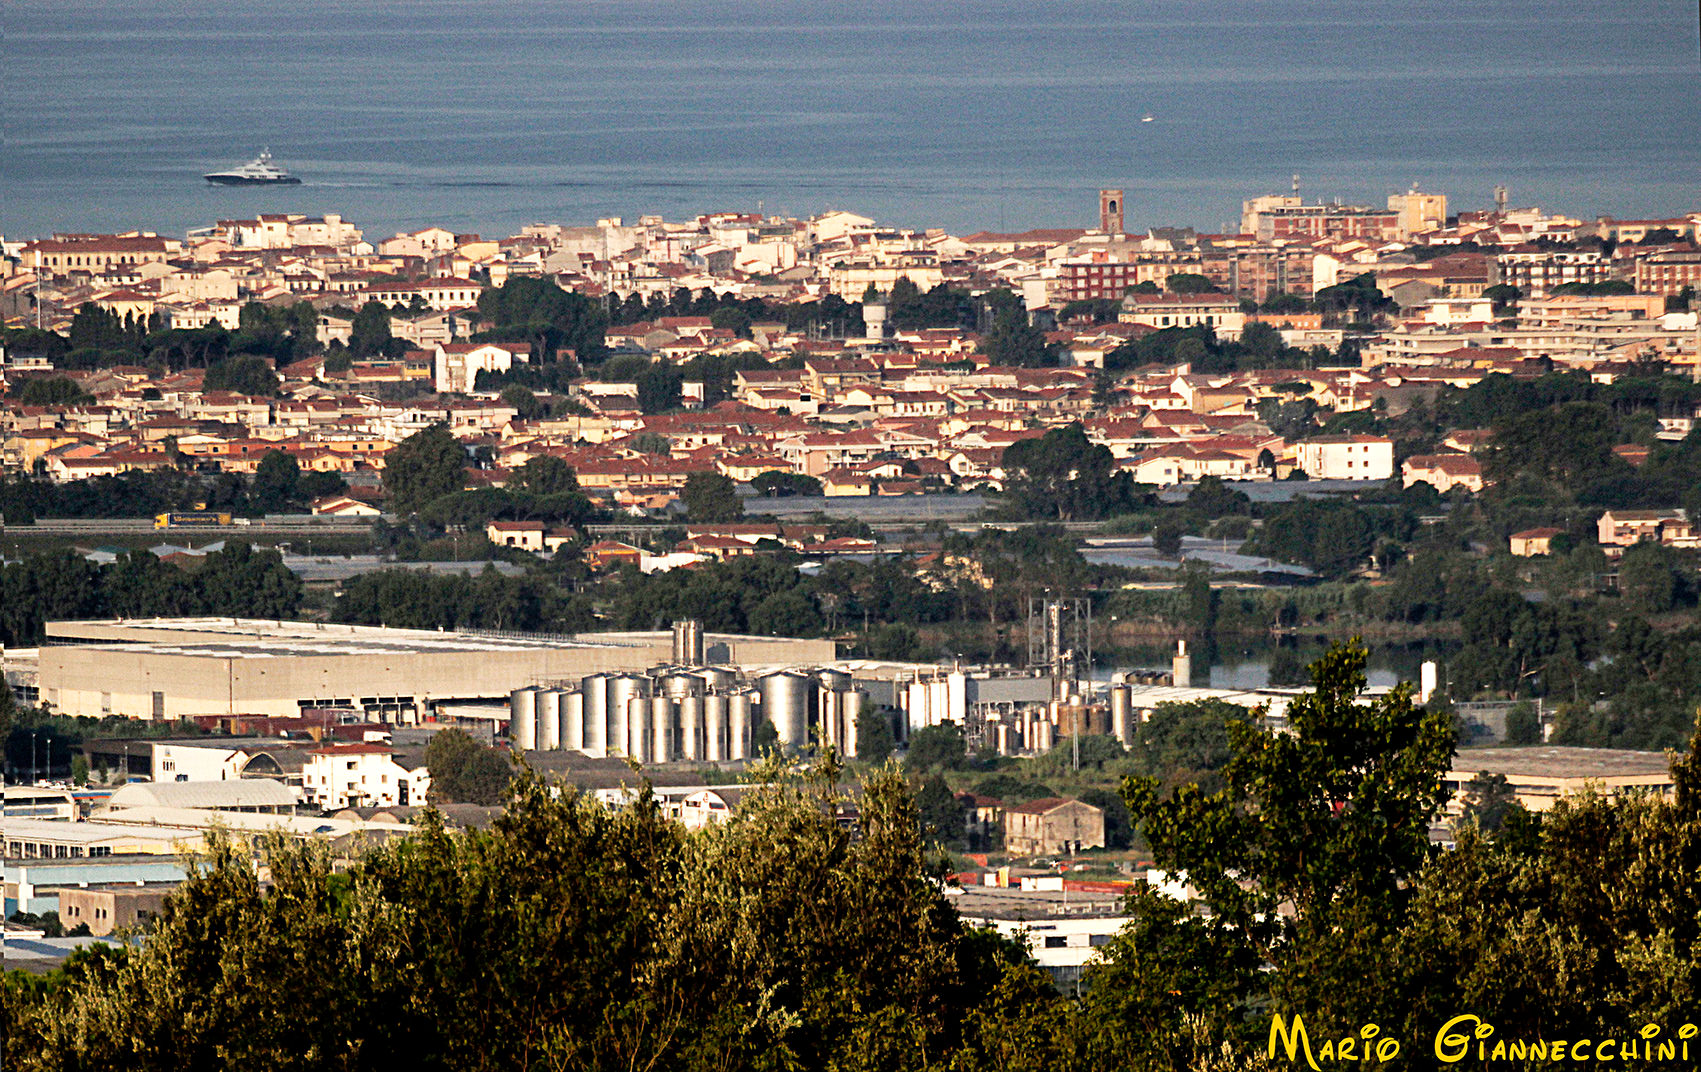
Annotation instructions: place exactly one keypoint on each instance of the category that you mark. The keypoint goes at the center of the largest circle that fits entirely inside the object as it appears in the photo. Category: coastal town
(870, 374)
(715, 535)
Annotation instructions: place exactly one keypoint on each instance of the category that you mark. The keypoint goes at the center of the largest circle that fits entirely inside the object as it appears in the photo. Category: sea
(486, 115)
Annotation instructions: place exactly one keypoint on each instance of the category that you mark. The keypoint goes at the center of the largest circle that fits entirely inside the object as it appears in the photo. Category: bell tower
(1110, 212)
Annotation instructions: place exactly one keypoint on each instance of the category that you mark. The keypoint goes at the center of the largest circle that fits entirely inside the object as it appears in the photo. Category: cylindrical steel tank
(851, 706)
(1001, 737)
(1122, 713)
(688, 642)
(595, 688)
(678, 684)
(827, 706)
(663, 747)
(638, 725)
(785, 702)
(691, 727)
(622, 690)
(715, 728)
(834, 679)
(548, 720)
(716, 677)
(522, 719)
(739, 711)
(573, 720)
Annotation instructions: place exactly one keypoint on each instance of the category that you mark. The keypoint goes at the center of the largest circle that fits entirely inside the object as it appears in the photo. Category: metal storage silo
(691, 727)
(851, 704)
(1002, 738)
(664, 747)
(573, 720)
(1122, 714)
(688, 642)
(716, 677)
(595, 688)
(522, 719)
(828, 708)
(638, 726)
(785, 703)
(833, 678)
(738, 716)
(623, 689)
(548, 720)
(715, 747)
(679, 684)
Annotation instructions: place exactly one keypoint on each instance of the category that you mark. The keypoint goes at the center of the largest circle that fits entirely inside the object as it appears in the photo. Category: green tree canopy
(245, 375)
(50, 391)
(427, 465)
(711, 497)
(1064, 476)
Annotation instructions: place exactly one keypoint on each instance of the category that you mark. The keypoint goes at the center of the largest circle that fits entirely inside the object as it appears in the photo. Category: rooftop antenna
(1296, 185)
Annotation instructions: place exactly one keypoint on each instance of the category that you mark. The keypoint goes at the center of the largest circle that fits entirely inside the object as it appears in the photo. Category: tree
(1012, 340)
(51, 391)
(426, 465)
(775, 482)
(275, 481)
(711, 497)
(464, 771)
(245, 375)
(1300, 815)
(1167, 534)
(1065, 476)
(874, 740)
(659, 388)
(1488, 802)
(942, 814)
(525, 403)
(1522, 725)
(369, 334)
(1189, 283)
(935, 748)
(539, 311)
(733, 319)
(544, 475)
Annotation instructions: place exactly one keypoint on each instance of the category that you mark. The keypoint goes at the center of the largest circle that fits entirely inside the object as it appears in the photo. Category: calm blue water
(484, 115)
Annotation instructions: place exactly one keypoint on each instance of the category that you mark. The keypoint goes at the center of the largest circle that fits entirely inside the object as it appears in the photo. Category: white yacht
(259, 171)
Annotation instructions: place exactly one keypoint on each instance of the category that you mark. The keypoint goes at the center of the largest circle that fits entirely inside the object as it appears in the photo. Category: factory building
(185, 667)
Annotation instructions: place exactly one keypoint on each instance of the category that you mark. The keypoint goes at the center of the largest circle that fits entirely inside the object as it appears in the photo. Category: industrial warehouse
(679, 695)
(181, 668)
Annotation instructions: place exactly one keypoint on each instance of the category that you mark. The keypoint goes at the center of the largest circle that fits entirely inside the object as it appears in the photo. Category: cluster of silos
(684, 712)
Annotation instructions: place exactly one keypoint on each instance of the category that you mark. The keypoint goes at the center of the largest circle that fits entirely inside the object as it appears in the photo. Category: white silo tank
(573, 720)
(623, 689)
(595, 688)
(548, 720)
(638, 728)
(786, 702)
(662, 749)
(691, 727)
(715, 748)
(851, 704)
(522, 719)
(740, 712)
(831, 734)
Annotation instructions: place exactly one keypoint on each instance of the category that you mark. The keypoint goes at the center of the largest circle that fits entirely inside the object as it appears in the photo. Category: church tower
(1110, 212)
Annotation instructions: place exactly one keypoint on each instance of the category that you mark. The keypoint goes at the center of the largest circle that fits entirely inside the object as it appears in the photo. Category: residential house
(1347, 457)
(1442, 471)
(361, 776)
(1532, 542)
(1052, 826)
